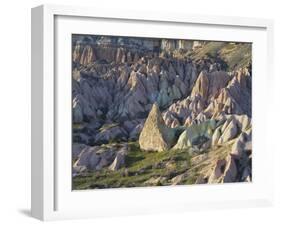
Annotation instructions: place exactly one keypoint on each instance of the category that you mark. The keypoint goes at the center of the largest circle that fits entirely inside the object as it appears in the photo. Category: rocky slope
(180, 97)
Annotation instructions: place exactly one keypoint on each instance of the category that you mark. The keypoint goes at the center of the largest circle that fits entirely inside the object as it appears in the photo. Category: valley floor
(173, 167)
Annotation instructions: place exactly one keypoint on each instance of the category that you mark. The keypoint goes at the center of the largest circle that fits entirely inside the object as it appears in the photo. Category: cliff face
(87, 49)
(181, 95)
(172, 45)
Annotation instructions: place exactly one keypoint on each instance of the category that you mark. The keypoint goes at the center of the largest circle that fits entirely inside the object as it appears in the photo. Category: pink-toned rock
(201, 86)
(87, 55)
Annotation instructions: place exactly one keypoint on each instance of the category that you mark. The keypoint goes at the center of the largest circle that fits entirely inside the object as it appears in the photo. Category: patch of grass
(235, 55)
(140, 166)
(211, 49)
(238, 56)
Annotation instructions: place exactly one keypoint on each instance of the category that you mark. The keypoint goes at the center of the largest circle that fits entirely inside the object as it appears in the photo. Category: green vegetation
(235, 55)
(230, 55)
(140, 166)
(238, 57)
(211, 49)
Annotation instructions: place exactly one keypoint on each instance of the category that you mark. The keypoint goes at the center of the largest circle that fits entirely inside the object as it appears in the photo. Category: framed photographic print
(137, 112)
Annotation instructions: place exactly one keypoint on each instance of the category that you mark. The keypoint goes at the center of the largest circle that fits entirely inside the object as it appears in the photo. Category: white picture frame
(52, 197)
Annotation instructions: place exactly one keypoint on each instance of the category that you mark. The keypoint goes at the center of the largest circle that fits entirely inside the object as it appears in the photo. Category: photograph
(160, 112)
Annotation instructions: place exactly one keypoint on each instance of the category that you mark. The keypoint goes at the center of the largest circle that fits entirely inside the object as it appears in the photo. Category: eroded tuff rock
(119, 160)
(229, 158)
(126, 90)
(213, 96)
(225, 170)
(155, 135)
(99, 157)
(120, 91)
(111, 133)
(208, 85)
(83, 54)
(196, 135)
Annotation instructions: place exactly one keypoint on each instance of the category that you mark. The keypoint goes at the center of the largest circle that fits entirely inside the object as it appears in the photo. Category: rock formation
(99, 157)
(192, 135)
(136, 96)
(155, 135)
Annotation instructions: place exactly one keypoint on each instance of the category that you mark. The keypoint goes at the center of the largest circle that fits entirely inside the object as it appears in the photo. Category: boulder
(155, 135)
(119, 160)
(99, 157)
(194, 133)
(88, 159)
